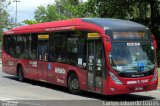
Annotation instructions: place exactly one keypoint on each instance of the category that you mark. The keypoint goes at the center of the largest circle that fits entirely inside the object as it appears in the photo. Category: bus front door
(95, 64)
(43, 59)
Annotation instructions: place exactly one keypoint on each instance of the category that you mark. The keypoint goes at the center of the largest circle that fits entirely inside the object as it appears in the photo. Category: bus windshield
(127, 57)
(132, 56)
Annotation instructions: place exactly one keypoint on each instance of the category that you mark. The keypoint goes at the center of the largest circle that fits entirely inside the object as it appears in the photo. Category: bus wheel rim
(75, 84)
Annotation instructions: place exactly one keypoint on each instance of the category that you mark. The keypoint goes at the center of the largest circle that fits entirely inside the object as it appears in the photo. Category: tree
(5, 19)
(155, 16)
(40, 14)
(4, 16)
(61, 9)
(30, 22)
(46, 14)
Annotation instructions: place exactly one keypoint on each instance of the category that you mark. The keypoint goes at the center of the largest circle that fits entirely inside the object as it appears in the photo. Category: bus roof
(61, 23)
(104, 23)
(115, 24)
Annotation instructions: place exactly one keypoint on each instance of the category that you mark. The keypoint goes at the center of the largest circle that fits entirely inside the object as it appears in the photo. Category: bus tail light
(114, 78)
(155, 75)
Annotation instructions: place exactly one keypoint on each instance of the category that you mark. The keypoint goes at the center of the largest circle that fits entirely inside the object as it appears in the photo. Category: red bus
(101, 55)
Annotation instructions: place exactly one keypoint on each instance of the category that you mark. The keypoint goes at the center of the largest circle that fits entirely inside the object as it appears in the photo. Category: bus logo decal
(60, 81)
(138, 81)
(61, 28)
(60, 70)
(33, 63)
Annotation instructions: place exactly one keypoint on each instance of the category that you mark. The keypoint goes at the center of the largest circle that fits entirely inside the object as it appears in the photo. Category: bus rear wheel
(73, 84)
(20, 74)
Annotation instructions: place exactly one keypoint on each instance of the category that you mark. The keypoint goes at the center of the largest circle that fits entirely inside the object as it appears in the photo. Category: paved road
(33, 93)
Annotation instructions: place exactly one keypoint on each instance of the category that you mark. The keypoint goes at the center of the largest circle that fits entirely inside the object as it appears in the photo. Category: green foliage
(30, 22)
(3, 15)
(40, 14)
(61, 9)
(45, 14)
(5, 20)
(124, 9)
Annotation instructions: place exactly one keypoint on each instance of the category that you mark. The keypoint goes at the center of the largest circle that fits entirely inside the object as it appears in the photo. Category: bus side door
(43, 45)
(95, 64)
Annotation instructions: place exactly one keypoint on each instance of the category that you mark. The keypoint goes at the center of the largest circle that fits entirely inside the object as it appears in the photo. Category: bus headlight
(155, 75)
(114, 78)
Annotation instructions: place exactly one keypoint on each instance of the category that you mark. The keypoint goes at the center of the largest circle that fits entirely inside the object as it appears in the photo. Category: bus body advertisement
(101, 55)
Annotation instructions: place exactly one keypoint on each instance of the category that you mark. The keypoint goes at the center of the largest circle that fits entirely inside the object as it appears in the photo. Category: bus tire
(20, 74)
(73, 84)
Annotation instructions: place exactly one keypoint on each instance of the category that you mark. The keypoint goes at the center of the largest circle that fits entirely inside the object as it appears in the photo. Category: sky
(26, 8)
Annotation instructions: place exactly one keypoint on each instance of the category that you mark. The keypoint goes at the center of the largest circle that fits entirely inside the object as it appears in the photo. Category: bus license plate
(138, 88)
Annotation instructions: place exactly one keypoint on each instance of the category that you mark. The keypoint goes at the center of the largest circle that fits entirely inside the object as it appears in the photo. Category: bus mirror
(154, 42)
(108, 46)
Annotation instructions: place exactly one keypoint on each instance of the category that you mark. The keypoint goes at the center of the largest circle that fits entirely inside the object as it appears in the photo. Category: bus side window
(72, 50)
(68, 47)
(58, 47)
(43, 50)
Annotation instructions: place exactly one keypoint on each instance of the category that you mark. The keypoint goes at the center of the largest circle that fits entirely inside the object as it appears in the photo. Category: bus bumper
(115, 89)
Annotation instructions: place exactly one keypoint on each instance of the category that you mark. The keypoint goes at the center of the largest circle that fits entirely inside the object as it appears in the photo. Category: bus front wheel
(20, 74)
(73, 84)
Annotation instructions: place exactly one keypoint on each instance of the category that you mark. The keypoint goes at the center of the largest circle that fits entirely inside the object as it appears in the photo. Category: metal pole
(16, 13)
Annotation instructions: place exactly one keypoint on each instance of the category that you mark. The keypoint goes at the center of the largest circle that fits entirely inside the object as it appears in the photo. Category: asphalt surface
(34, 93)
